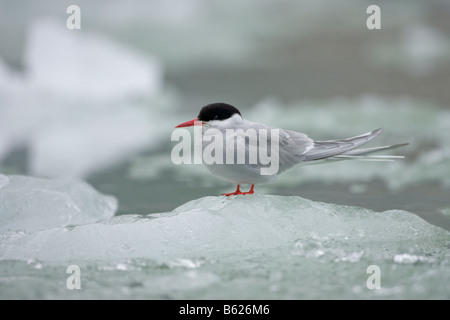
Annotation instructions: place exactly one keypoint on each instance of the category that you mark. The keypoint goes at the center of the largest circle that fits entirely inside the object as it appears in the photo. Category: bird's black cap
(217, 111)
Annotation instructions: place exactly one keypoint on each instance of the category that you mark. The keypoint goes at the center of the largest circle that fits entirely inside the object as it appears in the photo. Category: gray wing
(293, 148)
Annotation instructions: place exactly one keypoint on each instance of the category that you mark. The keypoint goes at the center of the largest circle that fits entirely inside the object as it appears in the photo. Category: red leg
(238, 191)
(233, 193)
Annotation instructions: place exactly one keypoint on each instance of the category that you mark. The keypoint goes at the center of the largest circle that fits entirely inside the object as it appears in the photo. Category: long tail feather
(365, 151)
(327, 149)
(365, 158)
(346, 149)
(366, 154)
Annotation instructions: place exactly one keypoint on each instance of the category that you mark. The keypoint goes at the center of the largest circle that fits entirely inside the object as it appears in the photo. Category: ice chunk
(84, 102)
(211, 226)
(249, 247)
(80, 64)
(81, 146)
(185, 263)
(31, 204)
(410, 258)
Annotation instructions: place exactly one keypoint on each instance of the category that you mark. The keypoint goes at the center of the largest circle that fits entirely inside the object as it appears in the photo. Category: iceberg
(88, 66)
(78, 147)
(244, 247)
(31, 204)
(83, 104)
(212, 226)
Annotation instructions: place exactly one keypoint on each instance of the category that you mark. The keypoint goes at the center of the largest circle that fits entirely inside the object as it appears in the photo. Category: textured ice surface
(247, 247)
(31, 204)
(211, 226)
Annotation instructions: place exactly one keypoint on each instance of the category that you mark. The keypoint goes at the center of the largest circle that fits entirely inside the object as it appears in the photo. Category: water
(65, 114)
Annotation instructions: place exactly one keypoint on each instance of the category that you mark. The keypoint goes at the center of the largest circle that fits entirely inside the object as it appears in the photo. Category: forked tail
(346, 149)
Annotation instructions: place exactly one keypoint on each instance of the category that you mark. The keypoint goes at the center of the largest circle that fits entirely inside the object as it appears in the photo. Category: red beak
(190, 123)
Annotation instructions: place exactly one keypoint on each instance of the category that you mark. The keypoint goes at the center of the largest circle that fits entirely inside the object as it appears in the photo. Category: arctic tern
(292, 148)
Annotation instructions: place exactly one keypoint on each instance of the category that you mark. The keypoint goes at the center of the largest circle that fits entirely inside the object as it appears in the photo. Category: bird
(224, 125)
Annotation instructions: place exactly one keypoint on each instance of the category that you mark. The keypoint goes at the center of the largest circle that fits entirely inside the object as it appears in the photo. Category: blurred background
(100, 103)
